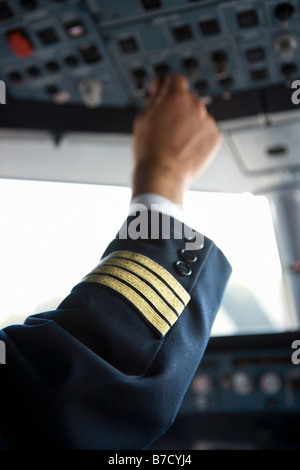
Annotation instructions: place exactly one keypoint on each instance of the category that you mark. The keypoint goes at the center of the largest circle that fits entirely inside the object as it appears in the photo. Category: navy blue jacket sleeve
(108, 369)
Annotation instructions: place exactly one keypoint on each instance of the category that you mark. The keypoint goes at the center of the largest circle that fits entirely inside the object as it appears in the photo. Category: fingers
(157, 90)
(177, 83)
(170, 85)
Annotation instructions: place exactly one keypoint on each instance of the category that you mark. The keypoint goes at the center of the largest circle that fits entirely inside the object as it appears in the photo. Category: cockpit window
(52, 234)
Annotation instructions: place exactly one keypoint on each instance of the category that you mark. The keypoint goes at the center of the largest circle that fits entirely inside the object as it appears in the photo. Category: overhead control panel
(105, 53)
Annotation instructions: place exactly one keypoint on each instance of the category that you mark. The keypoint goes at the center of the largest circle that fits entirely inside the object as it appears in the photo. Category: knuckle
(202, 109)
(212, 123)
(213, 128)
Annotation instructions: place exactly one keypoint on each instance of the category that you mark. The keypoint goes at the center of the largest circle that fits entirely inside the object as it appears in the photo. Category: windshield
(52, 234)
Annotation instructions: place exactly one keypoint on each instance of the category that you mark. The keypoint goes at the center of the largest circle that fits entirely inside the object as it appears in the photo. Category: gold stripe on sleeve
(138, 301)
(158, 269)
(152, 289)
(151, 296)
(151, 278)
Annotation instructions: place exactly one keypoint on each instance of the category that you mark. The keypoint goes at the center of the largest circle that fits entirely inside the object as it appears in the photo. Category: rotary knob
(270, 383)
(242, 383)
(285, 46)
(202, 384)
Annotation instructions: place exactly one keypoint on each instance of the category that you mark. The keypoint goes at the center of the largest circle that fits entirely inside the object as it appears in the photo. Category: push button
(183, 268)
(19, 43)
(188, 256)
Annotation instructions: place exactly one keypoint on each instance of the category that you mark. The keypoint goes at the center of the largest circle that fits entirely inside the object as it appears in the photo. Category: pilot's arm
(109, 368)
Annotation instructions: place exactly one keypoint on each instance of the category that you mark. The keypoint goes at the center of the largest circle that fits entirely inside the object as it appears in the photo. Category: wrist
(161, 182)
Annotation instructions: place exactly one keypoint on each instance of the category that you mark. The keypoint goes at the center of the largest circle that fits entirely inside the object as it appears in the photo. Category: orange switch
(19, 43)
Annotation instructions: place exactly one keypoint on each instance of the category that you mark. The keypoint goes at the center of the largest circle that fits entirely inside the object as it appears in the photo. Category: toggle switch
(91, 92)
(201, 88)
(139, 76)
(162, 70)
(283, 12)
(226, 83)
(190, 65)
(219, 59)
(288, 71)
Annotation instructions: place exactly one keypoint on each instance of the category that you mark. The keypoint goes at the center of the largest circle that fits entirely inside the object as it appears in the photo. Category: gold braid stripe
(142, 287)
(157, 269)
(134, 298)
(167, 294)
(157, 299)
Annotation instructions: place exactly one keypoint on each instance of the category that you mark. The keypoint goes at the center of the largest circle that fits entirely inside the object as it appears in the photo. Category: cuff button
(188, 255)
(183, 268)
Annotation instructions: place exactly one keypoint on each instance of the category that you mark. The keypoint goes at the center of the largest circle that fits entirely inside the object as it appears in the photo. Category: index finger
(177, 83)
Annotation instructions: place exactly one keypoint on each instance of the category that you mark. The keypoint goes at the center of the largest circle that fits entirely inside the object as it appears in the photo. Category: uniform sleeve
(109, 368)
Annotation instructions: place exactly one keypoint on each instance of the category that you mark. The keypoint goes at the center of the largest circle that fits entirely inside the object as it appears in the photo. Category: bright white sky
(52, 234)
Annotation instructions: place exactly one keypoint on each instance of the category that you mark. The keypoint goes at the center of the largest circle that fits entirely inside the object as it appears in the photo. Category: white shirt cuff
(157, 203)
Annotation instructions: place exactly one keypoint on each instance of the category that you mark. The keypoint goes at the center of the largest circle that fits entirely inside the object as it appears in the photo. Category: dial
(242, 383)
(270, 383)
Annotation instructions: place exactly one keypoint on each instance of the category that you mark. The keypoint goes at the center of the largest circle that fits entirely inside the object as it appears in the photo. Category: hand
(175, 139)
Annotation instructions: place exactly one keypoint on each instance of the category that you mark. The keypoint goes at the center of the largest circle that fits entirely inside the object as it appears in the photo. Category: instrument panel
(264, 378)
(245, 395)
(105, 53)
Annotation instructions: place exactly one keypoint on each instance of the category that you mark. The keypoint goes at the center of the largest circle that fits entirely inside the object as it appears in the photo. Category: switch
(248, 18)
(19, 43)
(260, 74)
(28, 4)
(15, 77)
(283, 12)
(209, 27)
(151, 4)
(48, 36)
(226, 83)
(5, 11)
(219, 59)
(128, 45)
(90, 54)
(34, 71)
(183, 33)
(71, 61)
(201, 87)
(51, 89)
(162, 70)
(255, 55)
(285, 45)
(190, 65)
(139, 76)
(75, 28)
(288, 71)
(52, 66)
(91, 92)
